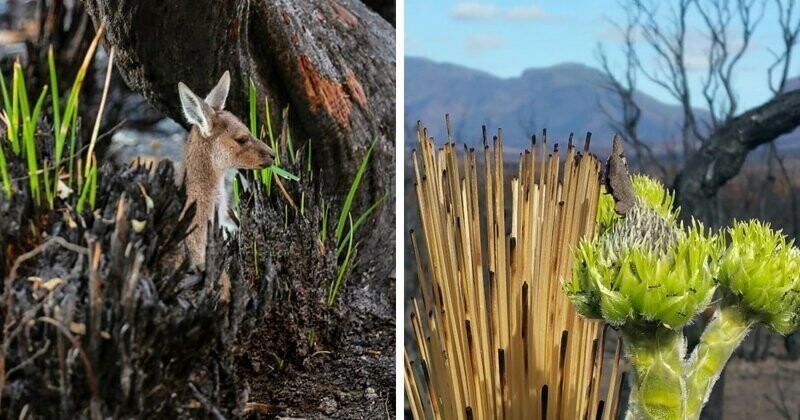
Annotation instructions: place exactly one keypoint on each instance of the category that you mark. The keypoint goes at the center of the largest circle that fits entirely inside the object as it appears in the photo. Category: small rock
(370, 393)
(328, 406)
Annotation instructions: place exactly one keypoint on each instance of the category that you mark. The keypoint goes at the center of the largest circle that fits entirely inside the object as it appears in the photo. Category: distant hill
(564, 98)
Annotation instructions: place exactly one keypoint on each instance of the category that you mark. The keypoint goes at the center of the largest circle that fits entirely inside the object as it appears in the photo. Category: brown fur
(205, 161)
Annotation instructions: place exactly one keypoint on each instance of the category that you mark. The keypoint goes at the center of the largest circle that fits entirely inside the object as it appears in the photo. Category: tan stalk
(495, 337)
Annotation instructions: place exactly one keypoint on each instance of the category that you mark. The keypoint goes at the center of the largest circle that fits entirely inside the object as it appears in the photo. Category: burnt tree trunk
(331, 61)
(721, 157)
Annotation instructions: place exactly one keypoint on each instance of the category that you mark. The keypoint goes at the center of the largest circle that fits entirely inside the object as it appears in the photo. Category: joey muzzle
(266, 154)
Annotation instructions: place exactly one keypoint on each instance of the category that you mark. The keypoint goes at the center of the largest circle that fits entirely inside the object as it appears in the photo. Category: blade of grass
(72, 137)
(11, 117)
(93, 183)
(342, 268)
(15, 141)
(96, 129)
(362, 219)
(48, 194)
(283, 173)
(269, 131)
(348, 202)
(51, 66)
(72, 101)
(87, 186)
(28, 131)
(289, 143)
(37, 109)
(4, 173)
(266, 174)
(252, 100)
(236, 193)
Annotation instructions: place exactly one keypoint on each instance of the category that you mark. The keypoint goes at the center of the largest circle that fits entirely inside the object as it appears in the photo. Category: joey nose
(267, 156)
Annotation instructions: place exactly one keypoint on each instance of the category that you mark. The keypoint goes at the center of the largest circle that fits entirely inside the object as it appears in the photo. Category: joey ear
(216, 98)
(196, 110)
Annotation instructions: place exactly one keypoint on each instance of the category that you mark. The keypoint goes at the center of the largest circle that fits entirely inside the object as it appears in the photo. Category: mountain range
(563, 99)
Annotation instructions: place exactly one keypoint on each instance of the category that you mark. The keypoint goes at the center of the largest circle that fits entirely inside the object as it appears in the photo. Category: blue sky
(504, 38)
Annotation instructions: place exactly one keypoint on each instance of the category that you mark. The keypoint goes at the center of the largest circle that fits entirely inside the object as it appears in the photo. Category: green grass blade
(28, 131)
(93, 187)
(236, 193)
(4, 173)
(88, 191)
(51, 65)
(48, 194)
(283, 173)
(334, 290)
(253, 117)
(11, 114)
(37, 109)
(290, 145)
(15, 141)
(348, 202)
(362, 219)
(72, 137)
(269, 131)
(72, 103)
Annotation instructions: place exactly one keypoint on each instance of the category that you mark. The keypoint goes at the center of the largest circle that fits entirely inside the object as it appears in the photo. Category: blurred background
(704, 93)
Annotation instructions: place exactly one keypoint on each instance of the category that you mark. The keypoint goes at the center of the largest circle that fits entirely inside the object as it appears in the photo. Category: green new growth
(648, 275)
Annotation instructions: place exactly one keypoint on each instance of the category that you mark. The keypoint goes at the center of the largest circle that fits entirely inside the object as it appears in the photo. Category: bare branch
(789, 25)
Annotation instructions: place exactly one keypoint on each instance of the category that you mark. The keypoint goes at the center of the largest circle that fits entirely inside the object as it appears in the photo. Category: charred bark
(332, 62)
(722, 155)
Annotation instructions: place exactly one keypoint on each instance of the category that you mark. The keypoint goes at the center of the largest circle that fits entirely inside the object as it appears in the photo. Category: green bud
(651, 193)
(645, 269)
(761, 271)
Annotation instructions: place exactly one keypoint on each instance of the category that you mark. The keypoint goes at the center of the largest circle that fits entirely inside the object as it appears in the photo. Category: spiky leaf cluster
(761, 270)
(644, 268)
(649, 192)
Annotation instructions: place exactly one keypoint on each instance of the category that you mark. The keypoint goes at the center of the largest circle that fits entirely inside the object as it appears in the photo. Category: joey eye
(241, 140)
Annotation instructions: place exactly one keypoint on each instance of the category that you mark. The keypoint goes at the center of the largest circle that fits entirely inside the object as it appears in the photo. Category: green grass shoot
(362, 219)
(22, 129)
(236, 198)
(89, 188)
(337, 284)
(348, 202)
(4, 173)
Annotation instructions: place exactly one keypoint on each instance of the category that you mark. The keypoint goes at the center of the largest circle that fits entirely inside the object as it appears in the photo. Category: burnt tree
(332, 62)
(714, 144)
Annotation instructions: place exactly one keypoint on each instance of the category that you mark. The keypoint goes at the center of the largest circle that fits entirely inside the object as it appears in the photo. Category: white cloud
(471, 10)
(532, 12)
(479, 43)
(474, 11)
